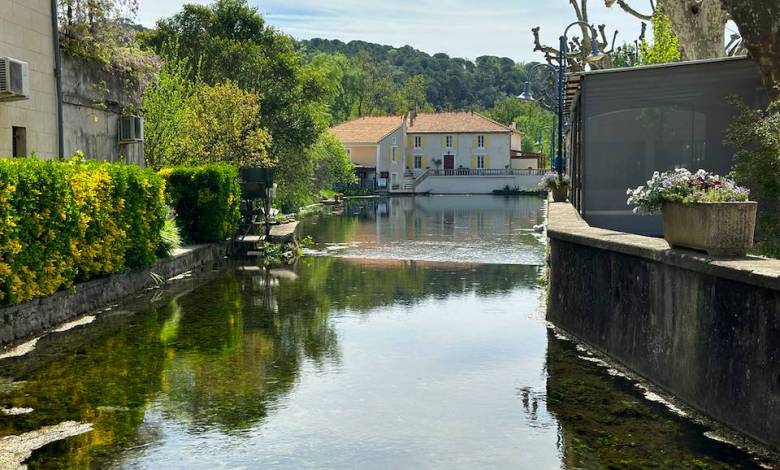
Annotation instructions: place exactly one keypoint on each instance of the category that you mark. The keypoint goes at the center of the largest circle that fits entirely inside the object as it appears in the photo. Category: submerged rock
(20, 350)
(15, 411)
(16, 449)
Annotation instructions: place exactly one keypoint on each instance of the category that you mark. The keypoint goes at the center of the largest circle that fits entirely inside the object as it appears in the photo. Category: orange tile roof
(367, 129)
(467, 122)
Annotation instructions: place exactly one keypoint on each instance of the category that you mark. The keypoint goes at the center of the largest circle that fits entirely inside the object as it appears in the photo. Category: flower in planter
(552, 181)
(682, 186)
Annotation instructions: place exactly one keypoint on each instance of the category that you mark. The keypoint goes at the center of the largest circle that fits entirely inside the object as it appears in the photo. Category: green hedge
(63, 222)
(206, 199)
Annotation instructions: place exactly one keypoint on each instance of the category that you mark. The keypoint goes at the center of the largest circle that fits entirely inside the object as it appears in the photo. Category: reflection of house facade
(435, 153)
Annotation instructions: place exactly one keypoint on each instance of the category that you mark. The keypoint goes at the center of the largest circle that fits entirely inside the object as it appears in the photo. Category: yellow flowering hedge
(64, 222)
(206, 199)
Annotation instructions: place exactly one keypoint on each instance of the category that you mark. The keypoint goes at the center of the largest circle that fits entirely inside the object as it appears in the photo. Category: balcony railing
(489, 172)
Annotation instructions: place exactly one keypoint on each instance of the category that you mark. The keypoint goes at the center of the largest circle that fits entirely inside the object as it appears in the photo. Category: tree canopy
(444, 82)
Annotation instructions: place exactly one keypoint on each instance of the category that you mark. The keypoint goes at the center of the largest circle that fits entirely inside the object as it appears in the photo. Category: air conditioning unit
(131, 129)
(14, 80)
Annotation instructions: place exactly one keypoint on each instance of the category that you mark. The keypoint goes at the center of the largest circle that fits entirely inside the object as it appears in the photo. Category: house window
(481, 141)
(480, 162)
(395, 153)
(417, 162)
(417, 141)
(19, 141)
(448, 141)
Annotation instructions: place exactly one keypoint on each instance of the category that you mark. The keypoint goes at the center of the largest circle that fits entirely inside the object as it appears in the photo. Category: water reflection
(345, 363)
(482, 229)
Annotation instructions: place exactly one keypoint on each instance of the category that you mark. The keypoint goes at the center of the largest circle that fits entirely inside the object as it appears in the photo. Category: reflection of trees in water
(241, 347)
(604, 422)
(220, 357)
(106, 380)
(363, 284)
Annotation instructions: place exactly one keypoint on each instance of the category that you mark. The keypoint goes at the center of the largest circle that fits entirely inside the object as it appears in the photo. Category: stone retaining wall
(706, 330)
(35, 317)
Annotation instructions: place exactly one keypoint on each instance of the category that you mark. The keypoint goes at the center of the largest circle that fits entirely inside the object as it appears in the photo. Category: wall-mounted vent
(131, 129)
(14, 80)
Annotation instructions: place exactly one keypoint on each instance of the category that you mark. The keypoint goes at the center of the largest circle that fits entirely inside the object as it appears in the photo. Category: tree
(532, 120)
(700, 25)
(759, 25)
(165, 106)
(666, 46)
(229, 40)
(579, 47)
(222, 126)
(325, 165)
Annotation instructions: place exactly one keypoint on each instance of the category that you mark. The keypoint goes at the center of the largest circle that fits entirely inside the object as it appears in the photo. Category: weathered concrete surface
(284, 233)
(706, 330)
(39, 315)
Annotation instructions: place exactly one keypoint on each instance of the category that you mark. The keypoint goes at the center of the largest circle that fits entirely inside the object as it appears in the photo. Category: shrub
(206, 200)
(67, 222)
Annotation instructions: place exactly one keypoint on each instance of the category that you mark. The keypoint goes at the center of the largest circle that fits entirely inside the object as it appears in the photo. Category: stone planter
(560, 194)
(719, 228)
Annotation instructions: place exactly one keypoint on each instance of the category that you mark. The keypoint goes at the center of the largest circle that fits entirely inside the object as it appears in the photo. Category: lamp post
(527, 95)
(594, 55)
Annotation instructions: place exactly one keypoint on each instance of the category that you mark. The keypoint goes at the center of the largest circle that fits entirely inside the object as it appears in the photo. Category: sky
(459, 28)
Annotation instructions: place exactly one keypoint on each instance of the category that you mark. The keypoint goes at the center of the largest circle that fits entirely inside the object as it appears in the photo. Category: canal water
(411, 336)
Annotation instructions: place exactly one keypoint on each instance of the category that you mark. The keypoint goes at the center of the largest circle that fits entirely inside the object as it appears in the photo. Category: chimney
(513, 126)
(412, 116)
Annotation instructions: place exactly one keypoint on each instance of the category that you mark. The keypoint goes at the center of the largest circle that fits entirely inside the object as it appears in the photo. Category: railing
(488, 172)
(421, 178)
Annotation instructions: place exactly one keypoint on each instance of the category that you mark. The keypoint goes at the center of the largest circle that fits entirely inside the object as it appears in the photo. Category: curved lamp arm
(594, 37)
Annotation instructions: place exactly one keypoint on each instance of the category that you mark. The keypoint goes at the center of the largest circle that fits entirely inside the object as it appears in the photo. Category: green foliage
(230, 41)
(666, 46)
(754, 135)
(67, 222)
(324, 165)
(170, 238)
(531, 118)
(166, 110)
(206, 200)
(449, 83)
(223, 125)
(98, 30)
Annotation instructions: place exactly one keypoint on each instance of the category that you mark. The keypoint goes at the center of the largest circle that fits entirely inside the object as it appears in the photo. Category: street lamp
(594, 56)
(527, 95)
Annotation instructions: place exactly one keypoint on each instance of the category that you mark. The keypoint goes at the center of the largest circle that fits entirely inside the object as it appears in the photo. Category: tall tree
(700, 25)
(580, 47)
(759, 25)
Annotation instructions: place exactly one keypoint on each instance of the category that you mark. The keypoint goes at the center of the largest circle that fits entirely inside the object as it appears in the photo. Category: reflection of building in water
(471, 218)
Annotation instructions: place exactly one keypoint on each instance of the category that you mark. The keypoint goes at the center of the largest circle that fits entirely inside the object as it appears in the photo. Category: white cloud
(459, 28)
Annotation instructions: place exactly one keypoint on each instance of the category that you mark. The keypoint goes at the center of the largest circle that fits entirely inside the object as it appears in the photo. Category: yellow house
(461, 152)
(375, 145)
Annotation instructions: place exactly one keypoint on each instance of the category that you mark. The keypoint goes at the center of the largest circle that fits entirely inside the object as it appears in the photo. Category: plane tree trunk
(759, 25)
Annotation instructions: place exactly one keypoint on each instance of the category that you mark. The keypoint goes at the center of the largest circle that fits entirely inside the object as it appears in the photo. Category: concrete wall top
(564, 223)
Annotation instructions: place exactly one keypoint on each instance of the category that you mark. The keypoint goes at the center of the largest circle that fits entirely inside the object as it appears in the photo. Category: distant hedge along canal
(390, 346)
